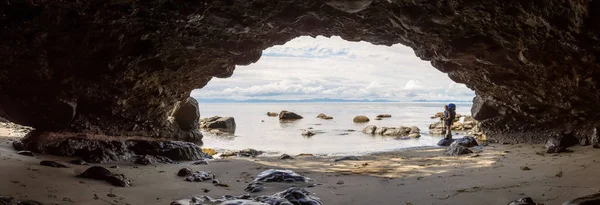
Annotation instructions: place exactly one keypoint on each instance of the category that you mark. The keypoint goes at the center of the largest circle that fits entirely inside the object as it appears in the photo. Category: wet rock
(149, 159)
(370, 129)
(523, 201)
(347, 158)
(78, 162)
(585, 200)
(6, 200)
(360, 119)
(467, 141)
(285, 156)
(456, 149)
(201, 162)
(272, 114)
(308, 133)
(97, 151)
(445, 142)
(185, 172)
(53, 164)
(199, 176)
(287, 115)
(26, 153)
(226, 124)
(101, 173)
(380, 130)
(249, 153)
(384, 115)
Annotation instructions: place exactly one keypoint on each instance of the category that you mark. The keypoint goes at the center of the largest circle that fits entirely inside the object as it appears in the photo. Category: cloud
(306, 68)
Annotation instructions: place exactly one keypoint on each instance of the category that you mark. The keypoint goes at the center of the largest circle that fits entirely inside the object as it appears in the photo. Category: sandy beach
(496, 175)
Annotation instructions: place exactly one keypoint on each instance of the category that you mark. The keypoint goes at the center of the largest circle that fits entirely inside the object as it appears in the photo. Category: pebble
(525, 168)
(340, 182)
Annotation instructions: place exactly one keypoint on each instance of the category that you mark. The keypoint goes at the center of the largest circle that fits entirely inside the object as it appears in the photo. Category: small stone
(525, 168)
(52, 164)
(340, 182)
(26, 153)
(308, 133)
(559, 174)
(111, 195)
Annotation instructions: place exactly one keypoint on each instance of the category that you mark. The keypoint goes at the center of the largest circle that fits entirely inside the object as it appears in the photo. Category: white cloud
(322, 67)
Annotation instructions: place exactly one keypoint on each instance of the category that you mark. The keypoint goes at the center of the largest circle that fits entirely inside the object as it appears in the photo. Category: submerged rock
(360, 119)
(325, 117)
(456, 149)
(53, 164)
(384, 115)
(98, 151)
(308, 133)
(287, 115)
(370, 129)
(199, 176)
(272, 114)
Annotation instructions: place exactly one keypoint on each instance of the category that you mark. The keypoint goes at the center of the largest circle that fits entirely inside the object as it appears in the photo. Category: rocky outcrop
(360, 119)
(398, 132)
(287, 115)
(118, 68)
(219, 124)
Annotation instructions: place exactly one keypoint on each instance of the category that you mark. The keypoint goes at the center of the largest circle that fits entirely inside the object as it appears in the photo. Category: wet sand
(424, 176)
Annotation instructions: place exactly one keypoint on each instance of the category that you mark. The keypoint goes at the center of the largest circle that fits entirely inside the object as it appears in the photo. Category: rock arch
(118, 68)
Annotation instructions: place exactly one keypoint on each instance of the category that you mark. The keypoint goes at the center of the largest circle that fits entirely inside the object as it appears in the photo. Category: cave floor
(493, 176)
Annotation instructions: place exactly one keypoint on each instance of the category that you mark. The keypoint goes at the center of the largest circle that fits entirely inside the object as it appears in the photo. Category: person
(448, 120)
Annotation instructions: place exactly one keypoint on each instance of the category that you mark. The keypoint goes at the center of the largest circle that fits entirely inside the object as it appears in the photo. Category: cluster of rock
(325, 117)
(468, 123)
(242, 153)
(409, 132)
(458, 146)
(294, 195)
(218, 125)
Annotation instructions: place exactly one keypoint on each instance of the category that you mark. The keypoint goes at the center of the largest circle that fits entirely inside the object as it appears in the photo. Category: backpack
(452, 109)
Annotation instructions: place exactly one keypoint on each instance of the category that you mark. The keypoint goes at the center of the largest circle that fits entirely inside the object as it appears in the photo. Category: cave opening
(341, 79)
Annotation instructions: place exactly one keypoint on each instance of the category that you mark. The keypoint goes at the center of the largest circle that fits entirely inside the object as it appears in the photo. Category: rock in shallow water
(276, 175)
(287, 115)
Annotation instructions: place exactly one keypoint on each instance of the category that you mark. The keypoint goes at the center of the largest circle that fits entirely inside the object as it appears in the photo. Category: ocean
(254, 129)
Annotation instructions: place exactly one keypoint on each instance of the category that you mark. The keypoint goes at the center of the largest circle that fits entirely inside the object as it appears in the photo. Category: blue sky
(309, 68)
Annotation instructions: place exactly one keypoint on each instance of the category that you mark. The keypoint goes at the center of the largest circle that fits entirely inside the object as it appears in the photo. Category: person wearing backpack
(449, 115)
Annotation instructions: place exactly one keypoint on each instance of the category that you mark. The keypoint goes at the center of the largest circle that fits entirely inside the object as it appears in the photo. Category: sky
(315, 68)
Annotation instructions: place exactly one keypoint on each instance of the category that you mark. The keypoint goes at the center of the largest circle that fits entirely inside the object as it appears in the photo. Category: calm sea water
(277, 137)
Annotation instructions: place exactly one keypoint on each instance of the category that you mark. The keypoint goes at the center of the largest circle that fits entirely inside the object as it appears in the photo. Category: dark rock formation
(292, 196)
(101, 173)
(285, 156)
(287, 115)
(151, 159)
(559, 143)
(119, 68)
(445, 142)
(276, 175)
(467, 141)
(456, 149)
(227, 124)
(195, 176)
(97, 151)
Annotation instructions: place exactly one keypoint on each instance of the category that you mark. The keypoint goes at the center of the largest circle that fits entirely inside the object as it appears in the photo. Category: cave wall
(119, 67)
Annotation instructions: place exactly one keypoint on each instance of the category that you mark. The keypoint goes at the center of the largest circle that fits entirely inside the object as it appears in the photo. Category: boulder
(467, 141)
(370, 129)
(553, 145)
(384, 116)
(380, 130)
(456, 149)
(226, 124)
(287, 115)
(360, 119)
(445, 142)
(325, 117)
(481, 110)
(186, 113)
(272, 114)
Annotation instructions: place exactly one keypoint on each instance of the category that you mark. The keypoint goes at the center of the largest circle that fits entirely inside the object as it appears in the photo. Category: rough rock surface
(287, 115)
(98, 151)
(274, 175)
(456, 149)
(119, 67)
(225, 124)
(101, 173)
(523, 201)
(290, 196)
